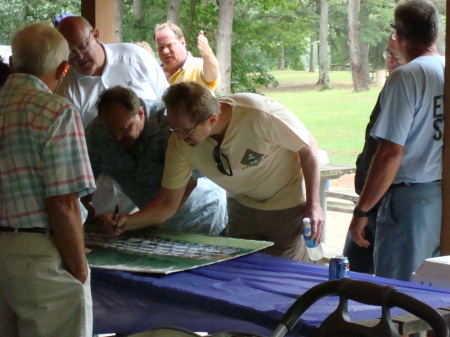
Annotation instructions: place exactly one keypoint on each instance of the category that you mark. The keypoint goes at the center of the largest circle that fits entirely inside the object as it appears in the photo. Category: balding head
(86, 54)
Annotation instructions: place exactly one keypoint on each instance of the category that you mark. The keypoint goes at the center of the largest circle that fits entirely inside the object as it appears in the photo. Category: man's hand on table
(112, 224)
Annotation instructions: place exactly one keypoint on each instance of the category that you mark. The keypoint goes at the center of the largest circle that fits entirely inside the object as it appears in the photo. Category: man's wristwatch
(357, 213)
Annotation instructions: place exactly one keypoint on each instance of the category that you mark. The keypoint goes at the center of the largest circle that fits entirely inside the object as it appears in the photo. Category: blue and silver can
(339, 267)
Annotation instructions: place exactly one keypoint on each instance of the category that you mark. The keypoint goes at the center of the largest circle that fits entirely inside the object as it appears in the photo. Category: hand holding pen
(113, 223)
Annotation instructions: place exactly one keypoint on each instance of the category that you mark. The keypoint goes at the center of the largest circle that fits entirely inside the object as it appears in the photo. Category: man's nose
(75, 55)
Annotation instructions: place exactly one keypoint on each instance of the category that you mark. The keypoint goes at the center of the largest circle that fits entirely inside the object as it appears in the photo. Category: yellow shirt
(262, 143)
(191, 70)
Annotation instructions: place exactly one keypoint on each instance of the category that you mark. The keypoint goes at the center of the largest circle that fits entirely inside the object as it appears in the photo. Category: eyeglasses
(393, 32)
(81, 50)
(223, 166)
(184, 132)
(388, 56)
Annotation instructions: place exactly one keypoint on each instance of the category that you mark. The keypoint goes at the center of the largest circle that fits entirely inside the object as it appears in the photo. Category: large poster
(164, 252)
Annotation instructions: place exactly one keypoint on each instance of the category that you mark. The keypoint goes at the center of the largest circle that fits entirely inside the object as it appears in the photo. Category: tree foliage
(262, 28)
(15, 14)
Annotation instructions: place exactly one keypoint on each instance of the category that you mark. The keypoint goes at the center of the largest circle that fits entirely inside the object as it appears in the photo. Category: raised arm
(311, 171)
(210, 62)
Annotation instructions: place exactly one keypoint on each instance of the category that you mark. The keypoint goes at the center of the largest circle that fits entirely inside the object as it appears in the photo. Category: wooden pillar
(101, 15)
(445, 231)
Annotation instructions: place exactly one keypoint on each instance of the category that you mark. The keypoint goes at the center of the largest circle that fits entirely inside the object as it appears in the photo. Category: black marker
(116, 215)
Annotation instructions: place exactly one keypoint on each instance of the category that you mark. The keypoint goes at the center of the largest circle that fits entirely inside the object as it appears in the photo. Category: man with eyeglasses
(96, 66)
(127, 142)
(361, 258)
(178, 64)
(406, 170)
(253, 147)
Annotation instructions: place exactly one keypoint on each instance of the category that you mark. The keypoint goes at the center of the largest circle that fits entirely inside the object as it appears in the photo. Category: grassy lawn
(337, 118)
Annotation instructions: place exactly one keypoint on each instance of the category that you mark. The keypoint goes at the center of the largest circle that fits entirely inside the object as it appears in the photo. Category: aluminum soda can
(339, 267)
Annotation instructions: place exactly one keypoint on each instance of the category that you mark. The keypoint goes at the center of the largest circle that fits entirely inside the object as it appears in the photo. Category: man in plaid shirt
(44, 170)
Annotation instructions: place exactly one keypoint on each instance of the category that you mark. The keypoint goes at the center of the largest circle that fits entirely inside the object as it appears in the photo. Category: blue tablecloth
(249, 294)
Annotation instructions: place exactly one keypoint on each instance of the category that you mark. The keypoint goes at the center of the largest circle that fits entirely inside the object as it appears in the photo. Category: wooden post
(101, 15)
(445, 229)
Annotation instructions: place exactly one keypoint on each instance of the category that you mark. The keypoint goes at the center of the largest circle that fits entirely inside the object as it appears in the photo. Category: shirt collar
(26, 80)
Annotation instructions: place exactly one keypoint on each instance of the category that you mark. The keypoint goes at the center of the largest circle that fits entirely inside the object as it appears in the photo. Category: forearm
(210, 63)
(383, 169)
(311, 171)
(65, 222)
(309, 160)
(210, 68)
(191, 185)
(158, 211)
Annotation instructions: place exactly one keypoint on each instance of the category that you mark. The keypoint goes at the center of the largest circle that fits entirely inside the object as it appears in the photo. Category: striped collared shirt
(42, 150)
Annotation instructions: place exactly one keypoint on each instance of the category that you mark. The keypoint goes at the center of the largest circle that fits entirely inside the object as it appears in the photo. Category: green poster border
(121, 259)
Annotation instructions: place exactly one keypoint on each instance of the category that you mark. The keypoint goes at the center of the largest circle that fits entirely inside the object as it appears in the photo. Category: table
(250, 293)
(328, 172)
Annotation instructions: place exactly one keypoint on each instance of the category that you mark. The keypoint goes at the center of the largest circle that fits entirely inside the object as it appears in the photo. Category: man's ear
(141, 112)
(96, 34)
(214, 118)
(60, 70)
(11, 64)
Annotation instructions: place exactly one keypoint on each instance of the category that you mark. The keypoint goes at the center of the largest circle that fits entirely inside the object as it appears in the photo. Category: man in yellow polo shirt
(178, 64)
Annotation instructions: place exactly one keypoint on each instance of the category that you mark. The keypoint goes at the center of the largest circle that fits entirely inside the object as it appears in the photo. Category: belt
(26, 230)
(413, 184)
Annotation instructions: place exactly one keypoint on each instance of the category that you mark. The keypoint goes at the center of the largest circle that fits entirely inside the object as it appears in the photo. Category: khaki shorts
(283, 227)
(38, 296)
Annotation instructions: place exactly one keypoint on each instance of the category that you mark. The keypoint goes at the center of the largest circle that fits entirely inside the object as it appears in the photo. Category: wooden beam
(101, 15)
(445, 231)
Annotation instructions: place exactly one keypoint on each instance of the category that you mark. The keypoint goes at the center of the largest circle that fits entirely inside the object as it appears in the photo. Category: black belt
(412, 184)
(26, 230)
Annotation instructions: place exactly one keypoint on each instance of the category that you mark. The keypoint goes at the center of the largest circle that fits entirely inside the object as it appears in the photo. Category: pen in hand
(116, 216)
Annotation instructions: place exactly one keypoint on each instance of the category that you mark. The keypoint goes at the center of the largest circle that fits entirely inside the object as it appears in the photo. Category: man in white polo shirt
(96, 67)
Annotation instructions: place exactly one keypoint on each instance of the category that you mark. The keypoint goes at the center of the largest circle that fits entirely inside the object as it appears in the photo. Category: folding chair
(338, 323)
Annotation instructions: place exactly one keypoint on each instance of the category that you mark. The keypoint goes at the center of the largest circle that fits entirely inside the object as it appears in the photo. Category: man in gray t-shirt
(406, 170)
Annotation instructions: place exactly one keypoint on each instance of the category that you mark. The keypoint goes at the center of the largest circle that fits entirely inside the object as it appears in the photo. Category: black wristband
(357, 213)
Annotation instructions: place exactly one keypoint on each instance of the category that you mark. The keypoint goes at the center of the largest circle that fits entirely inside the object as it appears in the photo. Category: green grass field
(337, 118)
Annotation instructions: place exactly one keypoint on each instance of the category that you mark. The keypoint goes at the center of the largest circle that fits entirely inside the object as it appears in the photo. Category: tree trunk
(119, 26)
(354, 52)
(224, 35)
(311, 55)
(188, 33)
(324, 79)
(137, 9)
(281, 59)
(173, 11)
(364, 51)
